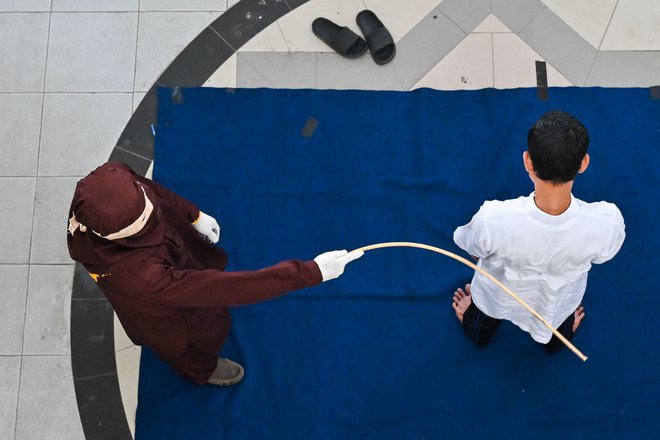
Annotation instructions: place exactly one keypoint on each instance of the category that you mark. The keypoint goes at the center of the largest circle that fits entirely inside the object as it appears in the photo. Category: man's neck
(552, 199)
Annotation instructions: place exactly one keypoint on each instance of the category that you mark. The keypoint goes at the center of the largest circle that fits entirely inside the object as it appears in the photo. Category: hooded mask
(114, 219)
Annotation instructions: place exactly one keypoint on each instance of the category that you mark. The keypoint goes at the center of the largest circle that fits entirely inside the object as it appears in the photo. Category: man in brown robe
(148, 249)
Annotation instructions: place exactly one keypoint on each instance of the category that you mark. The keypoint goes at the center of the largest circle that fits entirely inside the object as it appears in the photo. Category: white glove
(207, 227)
(332, 263)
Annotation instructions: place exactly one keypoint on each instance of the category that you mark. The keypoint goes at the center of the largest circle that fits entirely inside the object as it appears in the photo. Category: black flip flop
(343, 40)
(380, 42)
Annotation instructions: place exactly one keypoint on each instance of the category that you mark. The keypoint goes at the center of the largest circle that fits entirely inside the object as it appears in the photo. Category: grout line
(109, 12)
(316, 72)
(32, 177)
(135, 65)
(96, 376)
(593, 62)
(398, 79)
(283, 37)
(18, 391)
(76, 92)
(180, 10)
(227, 43)
(125, 348)
(607, 27)
(46, 355)
(134, 154)
(545, 8)
(34, 207)
(437, 8)
(38, 264)
(492, 55)
(255, 69)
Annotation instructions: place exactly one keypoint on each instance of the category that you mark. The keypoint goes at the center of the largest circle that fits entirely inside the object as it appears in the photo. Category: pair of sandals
(350, 45)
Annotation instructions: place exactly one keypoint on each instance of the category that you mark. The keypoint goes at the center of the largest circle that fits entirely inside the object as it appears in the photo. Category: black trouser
(480, 328)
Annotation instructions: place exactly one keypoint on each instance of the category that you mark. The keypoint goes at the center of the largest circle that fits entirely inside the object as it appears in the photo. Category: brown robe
(167, 284)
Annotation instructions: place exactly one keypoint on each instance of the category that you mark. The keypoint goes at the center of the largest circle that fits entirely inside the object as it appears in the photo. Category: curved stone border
(92, 340)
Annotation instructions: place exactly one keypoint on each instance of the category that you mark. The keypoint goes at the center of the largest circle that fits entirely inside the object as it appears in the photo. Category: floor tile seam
(93, 12)
(630, 52)
(178, 11)
(37, 176)
(220, 36)
(135, 58)
(72, 92)
(281, 33)
(61, 354)
(18, 393)
(240, 55)
(591, 67)
(41, 121)
(24, 12)
(492, 54)
(14, 264)
(89, 92)
(437, 8)
(398, 78)
(600, 43)
(31, 355)
(492, 32)
(543, 9)
(118, 147)
(125, 348)
(53, 264)
(96, 376)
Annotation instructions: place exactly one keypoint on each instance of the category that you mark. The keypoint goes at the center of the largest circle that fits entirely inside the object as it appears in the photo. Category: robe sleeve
(157, 282)
(189, 209)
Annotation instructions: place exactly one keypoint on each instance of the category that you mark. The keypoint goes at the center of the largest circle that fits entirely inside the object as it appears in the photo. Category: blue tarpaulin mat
(378, 353)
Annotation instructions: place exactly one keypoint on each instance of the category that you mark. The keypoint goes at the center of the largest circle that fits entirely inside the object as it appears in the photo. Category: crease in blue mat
(377, 353)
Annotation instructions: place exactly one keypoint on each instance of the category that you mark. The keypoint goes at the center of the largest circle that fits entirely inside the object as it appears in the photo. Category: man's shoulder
(503, 207)
(599, 210)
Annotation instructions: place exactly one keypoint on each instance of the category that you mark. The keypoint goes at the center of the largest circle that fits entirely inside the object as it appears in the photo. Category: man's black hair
(557, 143)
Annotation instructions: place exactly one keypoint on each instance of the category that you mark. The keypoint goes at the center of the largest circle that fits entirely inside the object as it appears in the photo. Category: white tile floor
(69, 84)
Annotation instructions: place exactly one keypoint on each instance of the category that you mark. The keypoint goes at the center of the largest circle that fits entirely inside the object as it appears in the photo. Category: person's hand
(207, 227)
(332, 263)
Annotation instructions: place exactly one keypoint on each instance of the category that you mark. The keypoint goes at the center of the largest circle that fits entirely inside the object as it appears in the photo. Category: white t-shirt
(543, 258)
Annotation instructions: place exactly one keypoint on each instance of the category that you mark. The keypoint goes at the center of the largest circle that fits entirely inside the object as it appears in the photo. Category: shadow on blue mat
(378, 354)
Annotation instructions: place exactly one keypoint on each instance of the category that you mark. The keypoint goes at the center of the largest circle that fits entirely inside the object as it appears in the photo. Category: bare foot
(462, 301)
(579, 316)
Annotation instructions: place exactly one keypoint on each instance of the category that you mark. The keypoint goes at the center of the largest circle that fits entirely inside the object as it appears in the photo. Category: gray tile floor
(73, 71)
